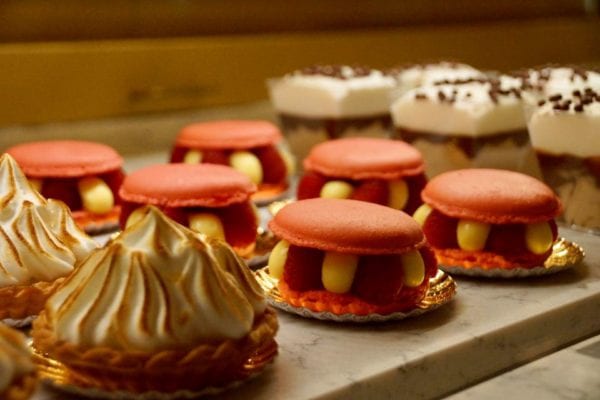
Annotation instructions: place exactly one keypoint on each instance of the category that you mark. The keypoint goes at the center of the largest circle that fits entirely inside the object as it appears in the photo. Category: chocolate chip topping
(578, 100)
(342, 72)
(544, 74)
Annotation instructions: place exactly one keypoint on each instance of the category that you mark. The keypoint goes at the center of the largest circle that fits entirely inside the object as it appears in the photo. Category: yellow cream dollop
(421, 214)
(336, 190)
(96, 196)
(277, 259)
(398, 194)
(472, 235)
(248, 164)
(538, 237)
(338, 270)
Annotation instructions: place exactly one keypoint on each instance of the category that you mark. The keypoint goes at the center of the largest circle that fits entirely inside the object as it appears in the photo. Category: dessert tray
(565, 254)
(60, 377)
(442, 289)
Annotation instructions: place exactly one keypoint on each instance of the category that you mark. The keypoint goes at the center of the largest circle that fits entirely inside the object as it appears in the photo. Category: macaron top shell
(229, 134)
(347, 226)
(492, 196)
(65, 158)
(187, 185)
(365, 158)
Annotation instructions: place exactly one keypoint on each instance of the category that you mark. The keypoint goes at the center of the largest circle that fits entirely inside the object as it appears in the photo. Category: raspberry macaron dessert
(489, 219)
(382, 171)
(207, 198)
(349, 257)
(86, 176)
(253, 147)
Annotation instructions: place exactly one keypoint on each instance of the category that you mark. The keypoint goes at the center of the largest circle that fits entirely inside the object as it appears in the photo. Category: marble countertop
(572, 373)
(490, 327)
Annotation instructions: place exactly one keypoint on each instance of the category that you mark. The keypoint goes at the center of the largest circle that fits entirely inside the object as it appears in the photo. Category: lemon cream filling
(247, 162)
(398, 192)
(473, 235)
(339, 269)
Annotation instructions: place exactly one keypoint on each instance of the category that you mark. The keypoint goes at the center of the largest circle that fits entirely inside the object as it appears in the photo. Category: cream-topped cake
(540, 83)
(565, 133)
(330, 101)
(414, 75)
(17, 372)
(465, 124)
(42, 244)
(160, 307)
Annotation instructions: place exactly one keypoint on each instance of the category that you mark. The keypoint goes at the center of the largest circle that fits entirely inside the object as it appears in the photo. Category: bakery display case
(197, 202)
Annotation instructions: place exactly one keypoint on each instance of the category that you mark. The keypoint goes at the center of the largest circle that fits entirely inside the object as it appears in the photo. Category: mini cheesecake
(349, 257)
(565, 133)
(254, 148)
(472, 123)
(208, 198)
(331, 101)
(86, 176)
(489, 219)
(411, 76)
(383, 171)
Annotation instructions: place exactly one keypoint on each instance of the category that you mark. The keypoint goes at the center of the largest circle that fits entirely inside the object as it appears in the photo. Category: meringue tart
(159, 308)
(17, 371)
(41, 244)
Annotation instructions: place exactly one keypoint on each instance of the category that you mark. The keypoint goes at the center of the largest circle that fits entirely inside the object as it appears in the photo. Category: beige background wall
(70, 60)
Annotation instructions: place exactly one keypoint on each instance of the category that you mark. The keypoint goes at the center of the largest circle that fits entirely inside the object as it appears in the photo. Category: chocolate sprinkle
(579, 100)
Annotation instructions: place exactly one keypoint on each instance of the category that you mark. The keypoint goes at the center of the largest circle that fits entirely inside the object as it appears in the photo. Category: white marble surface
(489, 327)
(569, 374)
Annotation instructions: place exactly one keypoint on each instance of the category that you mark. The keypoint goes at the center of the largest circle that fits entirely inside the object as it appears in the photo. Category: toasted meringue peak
(156, 286)
(41, 240)
(15, 358)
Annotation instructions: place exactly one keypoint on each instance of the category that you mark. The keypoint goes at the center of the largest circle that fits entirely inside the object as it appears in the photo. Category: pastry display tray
(491, 325)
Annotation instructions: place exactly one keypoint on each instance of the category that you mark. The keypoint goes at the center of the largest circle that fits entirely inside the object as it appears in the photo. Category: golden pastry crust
(21, 389)
(211, 364)
(339, 304)
(97, 223)
(22, 301)
(488, 260)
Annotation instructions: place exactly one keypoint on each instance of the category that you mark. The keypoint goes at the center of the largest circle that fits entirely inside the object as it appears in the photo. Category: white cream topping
(566, 131)
(549, 81)
(40, 239)
(15, 358)
(468, 109)
(320, 96)
(429, 74)
(156, 286)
